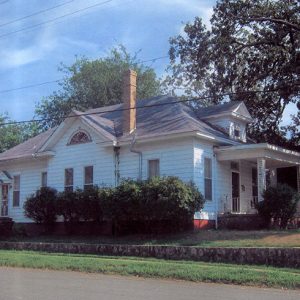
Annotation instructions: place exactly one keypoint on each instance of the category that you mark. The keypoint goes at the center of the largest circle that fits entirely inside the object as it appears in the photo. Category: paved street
(38, 284)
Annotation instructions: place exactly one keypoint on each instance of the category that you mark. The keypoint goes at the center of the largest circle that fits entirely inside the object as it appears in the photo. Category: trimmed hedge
(131, 206)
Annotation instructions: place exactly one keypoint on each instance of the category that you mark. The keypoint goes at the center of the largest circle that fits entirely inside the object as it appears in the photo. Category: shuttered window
(16, 191)
(153, 168)
(207, 178)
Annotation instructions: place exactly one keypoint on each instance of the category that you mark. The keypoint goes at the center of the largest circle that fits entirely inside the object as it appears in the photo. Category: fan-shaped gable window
(80, 137)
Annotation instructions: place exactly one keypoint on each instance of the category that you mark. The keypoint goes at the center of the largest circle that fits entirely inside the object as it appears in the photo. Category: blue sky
(32, 56)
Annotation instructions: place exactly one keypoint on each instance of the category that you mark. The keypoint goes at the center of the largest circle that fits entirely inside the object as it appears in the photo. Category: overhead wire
(58, 80)
(55, 19)
(35, 14)
(135, 107)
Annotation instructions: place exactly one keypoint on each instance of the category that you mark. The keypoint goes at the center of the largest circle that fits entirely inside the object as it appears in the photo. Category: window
(153, 168)
(80, 137)
(44, 179)
(88, 177)
(237, 133)
(16, 191)
(207, 178)
(69, 179)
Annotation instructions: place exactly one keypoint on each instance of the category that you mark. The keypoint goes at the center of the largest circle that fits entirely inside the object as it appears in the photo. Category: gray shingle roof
(28, 148)
(162, 115)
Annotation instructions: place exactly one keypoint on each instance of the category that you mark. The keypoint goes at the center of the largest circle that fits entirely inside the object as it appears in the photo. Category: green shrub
(169, 198)
(41, 207)
(279, 205)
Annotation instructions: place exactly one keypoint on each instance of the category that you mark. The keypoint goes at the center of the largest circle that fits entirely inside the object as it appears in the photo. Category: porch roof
(275, 156)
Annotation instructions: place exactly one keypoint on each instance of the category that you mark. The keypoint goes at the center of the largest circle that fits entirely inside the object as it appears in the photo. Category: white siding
(77, 157)
(175, 159)
(30, 181)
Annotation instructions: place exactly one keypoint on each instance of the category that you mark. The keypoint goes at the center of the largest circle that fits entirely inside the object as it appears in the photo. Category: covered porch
(249, 170)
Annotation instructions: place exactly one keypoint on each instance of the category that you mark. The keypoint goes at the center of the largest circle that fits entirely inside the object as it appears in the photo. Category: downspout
(132, 144)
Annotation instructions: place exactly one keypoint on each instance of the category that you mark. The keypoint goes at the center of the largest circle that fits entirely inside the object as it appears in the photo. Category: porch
(249, 169)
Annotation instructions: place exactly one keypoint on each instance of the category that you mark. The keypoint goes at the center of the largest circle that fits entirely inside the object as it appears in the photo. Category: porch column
(261, 177)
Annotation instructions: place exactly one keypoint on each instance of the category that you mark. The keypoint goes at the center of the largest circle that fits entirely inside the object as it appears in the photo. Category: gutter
(132, 144)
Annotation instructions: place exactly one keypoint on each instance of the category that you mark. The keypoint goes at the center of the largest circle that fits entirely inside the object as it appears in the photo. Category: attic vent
(80, 137)
(234, 166)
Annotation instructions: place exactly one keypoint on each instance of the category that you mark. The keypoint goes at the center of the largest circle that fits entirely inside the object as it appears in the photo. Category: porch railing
(236, 204)
(254, 201)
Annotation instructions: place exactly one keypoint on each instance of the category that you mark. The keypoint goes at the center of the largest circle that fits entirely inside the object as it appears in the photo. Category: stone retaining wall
(281, 257)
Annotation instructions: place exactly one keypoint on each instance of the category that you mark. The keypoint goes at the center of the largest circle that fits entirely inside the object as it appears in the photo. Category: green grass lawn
(156, 268)
(204, 238)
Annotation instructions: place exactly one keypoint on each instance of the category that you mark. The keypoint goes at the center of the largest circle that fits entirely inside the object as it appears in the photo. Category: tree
(95, 83)
(252, 45)
(14, 134)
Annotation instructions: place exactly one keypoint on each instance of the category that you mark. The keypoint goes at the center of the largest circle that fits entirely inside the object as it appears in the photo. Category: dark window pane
(88, 175)
(68, 177)
(16, 198)
(44, 179)
(153, 168)
(208, 189)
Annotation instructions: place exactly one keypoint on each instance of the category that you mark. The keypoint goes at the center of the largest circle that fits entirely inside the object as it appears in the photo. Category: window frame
(153, 160)
(85, 184)
(69, 187)
(208, 178)
(16, 200)
(89, 139)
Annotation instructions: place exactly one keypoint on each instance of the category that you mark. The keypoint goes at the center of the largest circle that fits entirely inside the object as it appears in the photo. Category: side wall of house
(79, 156)
(175, 159)
(30, 180)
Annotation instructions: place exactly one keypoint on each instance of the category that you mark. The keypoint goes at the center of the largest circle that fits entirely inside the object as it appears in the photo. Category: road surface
(31, 284)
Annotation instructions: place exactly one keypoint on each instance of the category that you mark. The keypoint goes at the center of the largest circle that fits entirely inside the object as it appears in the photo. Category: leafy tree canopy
(95, 83)
(14, 134)
(252, 45)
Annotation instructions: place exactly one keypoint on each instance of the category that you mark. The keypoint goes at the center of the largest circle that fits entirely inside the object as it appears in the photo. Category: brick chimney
(129, 100)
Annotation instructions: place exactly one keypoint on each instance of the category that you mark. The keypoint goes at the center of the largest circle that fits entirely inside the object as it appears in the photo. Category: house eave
(262, 150)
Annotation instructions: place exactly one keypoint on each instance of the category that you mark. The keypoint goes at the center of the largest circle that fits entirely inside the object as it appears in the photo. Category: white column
(261, 177)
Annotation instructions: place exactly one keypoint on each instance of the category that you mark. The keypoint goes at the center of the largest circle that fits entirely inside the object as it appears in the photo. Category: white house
(157, 136)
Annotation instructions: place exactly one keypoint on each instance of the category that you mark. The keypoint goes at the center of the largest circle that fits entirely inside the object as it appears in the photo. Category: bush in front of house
(42, 207)
(279, 205)
(156, 205)
(161, 204)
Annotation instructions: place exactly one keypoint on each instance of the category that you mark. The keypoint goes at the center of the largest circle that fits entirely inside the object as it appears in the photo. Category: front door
(235, 192)
(4, 200)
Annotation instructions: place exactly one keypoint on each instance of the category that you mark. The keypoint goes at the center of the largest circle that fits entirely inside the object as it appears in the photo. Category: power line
(57, 80)
(29, 86)
(136, 107)
(35, 13)
(55, 19)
